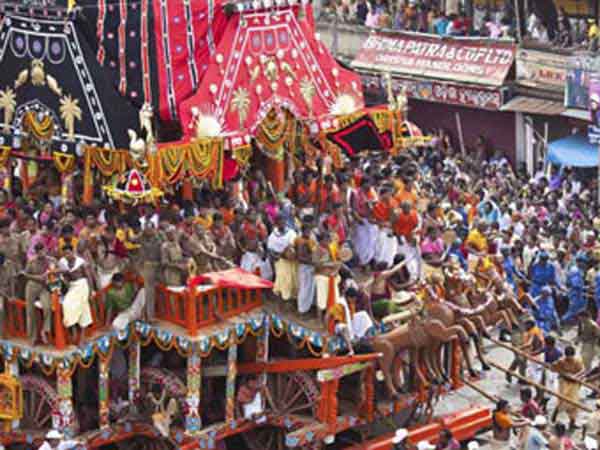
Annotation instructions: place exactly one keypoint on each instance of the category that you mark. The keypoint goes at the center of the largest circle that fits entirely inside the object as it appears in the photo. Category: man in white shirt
(532, 23)
(55, 441)
(536, 439)
(280, 245)
(148, 217)
(253, 261)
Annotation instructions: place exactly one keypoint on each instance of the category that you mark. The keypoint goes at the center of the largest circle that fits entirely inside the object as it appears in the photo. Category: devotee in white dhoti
(281, 246)
(76, 302)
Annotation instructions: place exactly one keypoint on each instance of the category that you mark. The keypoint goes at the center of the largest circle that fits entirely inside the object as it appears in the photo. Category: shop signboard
(436, 91)
(577, 90)
(594, 90)
(542, 70)
(479, 61)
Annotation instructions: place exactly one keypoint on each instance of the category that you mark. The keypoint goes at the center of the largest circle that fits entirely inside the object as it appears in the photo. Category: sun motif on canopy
(344, 104)
(207, 122)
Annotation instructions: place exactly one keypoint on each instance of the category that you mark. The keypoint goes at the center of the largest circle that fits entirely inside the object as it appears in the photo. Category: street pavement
(494, 382)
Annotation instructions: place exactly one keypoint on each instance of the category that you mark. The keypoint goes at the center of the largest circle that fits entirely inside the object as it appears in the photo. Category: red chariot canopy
(269, 59)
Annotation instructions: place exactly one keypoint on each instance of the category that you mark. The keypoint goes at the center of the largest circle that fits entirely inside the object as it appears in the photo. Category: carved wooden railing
(16, 322)
(191, 309)
(194, 309)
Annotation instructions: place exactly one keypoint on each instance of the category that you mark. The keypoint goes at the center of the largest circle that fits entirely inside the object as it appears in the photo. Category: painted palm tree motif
(69, 112)
(241, 103)
(8, 102)
(307, 89)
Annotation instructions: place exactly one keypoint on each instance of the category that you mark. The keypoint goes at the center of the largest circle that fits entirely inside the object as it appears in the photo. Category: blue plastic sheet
(573, 151)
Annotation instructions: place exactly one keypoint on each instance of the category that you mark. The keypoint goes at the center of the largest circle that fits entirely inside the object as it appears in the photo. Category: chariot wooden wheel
(291, 399)
(40, 400)
(154, 381)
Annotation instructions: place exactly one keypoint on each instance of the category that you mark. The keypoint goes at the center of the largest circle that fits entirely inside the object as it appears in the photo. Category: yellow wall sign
(572, 7)
(493, 5)
(576, 7)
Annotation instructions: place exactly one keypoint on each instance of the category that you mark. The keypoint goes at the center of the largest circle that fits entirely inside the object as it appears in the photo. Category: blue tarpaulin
(573, 151)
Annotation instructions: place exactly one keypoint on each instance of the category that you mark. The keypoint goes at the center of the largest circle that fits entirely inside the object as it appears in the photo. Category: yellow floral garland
(41, 130)
(275, 134)
(64, 162)
(242, 155)
(203, 158)
(107, 161)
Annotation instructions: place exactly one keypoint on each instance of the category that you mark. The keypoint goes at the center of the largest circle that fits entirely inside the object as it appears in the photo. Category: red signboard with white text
(457, 59)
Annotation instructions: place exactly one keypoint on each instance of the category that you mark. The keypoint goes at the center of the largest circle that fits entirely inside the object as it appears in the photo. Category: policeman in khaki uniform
(149, 252)
(588, 334)
(7, 286)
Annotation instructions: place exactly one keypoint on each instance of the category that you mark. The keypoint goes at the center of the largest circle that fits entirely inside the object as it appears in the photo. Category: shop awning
(542, 70)
(463, 60)
(531, 105)
(579, 114)
(573, 151)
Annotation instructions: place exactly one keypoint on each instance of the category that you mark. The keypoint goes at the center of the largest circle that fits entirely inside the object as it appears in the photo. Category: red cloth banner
(467, 60)
(232, 278)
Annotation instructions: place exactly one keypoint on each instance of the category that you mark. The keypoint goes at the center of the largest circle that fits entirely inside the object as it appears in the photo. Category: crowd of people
(420, 16)
(347, 248)
(556, 29)
(564, 32)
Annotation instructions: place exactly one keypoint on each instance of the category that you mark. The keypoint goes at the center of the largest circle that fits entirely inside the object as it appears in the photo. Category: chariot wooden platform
(199, 351)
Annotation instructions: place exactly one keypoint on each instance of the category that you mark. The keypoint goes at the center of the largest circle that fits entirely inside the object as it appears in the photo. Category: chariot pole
(541, 363)
(487, 395)
(540, 387)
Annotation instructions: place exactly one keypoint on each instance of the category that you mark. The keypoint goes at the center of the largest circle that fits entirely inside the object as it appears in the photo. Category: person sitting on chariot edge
(346, 320)
(125, 300)
(55, 441)
(250, 399)
(336, 319)
(382, 295)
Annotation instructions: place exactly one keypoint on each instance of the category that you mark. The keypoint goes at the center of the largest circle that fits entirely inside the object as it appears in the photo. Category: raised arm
(394, 270)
